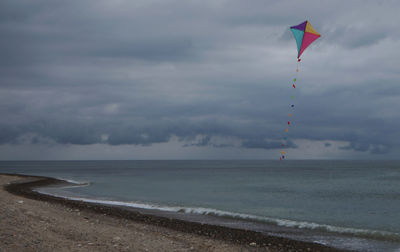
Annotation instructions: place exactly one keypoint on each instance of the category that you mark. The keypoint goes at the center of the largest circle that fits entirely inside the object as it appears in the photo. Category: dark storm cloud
(363, 147)
(157, 49)
(262, 144)
(354, 37)
(144, 72)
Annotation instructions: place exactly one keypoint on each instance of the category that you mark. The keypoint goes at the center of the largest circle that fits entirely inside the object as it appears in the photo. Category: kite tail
(291, 113)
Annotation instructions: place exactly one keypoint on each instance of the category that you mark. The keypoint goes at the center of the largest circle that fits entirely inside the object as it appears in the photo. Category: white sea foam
(71, 184)
(366, 233)
(74, 181)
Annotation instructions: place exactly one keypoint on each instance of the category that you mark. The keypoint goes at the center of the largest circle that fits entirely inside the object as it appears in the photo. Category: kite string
(290, 114)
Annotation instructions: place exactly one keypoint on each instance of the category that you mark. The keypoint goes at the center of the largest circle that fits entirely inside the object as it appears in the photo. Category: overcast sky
(207, 79)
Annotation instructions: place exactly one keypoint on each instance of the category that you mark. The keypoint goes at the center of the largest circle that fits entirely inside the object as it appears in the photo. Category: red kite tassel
(294, 86)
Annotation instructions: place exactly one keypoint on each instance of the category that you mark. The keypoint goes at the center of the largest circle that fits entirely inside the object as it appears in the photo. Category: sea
(345, 204)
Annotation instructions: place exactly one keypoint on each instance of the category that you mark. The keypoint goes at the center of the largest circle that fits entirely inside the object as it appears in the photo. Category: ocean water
(346, 204)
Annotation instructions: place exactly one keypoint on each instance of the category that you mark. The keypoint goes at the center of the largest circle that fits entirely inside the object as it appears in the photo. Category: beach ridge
(244, 240)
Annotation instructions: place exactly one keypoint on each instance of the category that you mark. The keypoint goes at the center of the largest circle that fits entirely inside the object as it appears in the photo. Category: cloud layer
(205, 74)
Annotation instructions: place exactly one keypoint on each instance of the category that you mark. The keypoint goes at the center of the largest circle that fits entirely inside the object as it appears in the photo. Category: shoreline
(252, 240)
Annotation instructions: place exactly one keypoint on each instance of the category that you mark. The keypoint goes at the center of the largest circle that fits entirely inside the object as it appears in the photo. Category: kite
(304, 34)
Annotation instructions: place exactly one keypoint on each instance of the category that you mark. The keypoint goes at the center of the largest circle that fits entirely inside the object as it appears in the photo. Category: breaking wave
(357, 232)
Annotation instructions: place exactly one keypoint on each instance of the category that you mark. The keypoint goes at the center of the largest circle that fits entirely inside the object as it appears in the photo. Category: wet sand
(30, 221)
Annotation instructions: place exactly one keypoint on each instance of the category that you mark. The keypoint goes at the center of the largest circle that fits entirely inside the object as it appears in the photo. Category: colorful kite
(304, 34)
